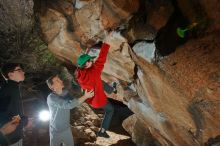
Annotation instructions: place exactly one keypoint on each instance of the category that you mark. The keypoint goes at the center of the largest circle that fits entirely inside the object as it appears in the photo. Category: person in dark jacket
(7, 129)
(11, 102)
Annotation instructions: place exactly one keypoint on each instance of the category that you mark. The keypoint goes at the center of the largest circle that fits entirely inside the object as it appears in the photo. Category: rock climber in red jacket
(88, 75)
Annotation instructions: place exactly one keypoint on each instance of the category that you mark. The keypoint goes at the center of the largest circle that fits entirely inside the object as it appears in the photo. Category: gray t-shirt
(59, 106)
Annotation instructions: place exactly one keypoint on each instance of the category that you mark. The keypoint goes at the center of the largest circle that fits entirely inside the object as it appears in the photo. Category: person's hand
(9, 127)
(107, 36)
(16, 119)
(89, 94)
(87, 50)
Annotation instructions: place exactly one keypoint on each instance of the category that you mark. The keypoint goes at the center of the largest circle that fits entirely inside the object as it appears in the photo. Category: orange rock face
(195, 68)
(175, 100)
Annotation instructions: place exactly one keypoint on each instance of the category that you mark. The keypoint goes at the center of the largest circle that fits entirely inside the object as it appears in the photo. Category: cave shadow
(167, 39)
(124, 142)
(121, 112)
(213, 141)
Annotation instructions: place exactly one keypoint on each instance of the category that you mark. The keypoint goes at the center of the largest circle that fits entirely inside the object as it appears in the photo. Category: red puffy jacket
(90, 79)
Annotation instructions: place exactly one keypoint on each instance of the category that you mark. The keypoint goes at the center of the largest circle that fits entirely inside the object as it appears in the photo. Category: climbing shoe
(102, 134)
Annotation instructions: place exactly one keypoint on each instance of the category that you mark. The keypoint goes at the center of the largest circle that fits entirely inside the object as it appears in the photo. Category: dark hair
(49, 81)
(9, 67)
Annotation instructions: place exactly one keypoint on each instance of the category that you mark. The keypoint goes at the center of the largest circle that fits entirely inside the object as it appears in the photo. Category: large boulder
(174, 98)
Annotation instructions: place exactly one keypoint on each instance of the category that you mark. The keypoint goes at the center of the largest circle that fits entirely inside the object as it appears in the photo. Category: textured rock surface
(200, 61)
(159, 12)
(145, 50)
(175, 98)
(136, 129)
(85, 123)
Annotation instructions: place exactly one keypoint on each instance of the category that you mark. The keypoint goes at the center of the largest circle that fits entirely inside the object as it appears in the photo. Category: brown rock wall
(175, 98)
